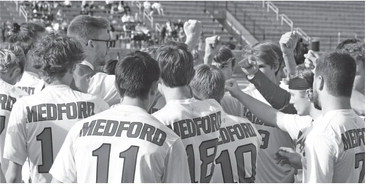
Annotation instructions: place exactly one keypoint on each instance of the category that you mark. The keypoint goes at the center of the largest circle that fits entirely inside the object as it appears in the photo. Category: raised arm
(275, 95)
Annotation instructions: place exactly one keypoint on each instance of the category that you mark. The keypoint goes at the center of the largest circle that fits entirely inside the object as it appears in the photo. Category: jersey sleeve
(64, 167)
(177, 170)
(320, 154)
(15, 148)
(102, 85)
(275, 95)
(101, 105)
(232, 106)
(293, 123)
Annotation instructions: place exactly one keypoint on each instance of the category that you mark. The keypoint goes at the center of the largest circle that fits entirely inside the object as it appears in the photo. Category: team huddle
(160, 116)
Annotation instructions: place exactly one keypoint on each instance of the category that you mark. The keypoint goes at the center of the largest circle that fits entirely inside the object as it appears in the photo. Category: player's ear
(320, 83)
(90, 43)
(154, 88)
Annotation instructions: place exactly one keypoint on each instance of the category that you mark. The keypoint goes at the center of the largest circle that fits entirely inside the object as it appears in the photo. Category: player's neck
(177, 93)
(314, 113)
(330, 103)
(135, 102)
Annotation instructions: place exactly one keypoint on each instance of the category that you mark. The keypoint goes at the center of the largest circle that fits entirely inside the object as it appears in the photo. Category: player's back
(30, 83)
(9, 94)
(268, 171)
(39, 123)
(343, 132)
(122, 144)
(237, 150)
(197, 123)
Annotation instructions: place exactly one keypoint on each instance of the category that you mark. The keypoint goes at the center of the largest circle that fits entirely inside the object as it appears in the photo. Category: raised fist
(212, 45)
(288, 41)
(193, 29)
(249, 66)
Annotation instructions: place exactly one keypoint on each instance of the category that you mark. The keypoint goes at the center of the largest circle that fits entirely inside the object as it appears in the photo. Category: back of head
(208, 82)
(26, 34)
(18, 52)
(338, 70)
(9, 61)
(86, 27)
(135, 74)
(110, 66)
(354, 47)
(176, 64)
(55, 54)
(304, 78)
(223, 55)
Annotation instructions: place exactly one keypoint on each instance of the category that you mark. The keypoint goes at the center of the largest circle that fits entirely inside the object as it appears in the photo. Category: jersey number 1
(47, 152)
(129, 165)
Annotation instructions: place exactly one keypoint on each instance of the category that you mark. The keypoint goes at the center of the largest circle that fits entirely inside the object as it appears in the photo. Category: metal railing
(287, 20)
(273, 7)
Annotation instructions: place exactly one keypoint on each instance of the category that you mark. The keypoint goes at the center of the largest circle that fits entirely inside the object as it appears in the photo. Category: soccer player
(273, 138)
(38, 124)
(335, 146)
(12, 61)
(125, 143)
(196, 122)
(239, 141)
(93, 35)
(25, 36)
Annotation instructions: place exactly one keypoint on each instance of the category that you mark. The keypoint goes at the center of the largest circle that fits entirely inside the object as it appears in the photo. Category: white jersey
(231, 105)
(123, 144)
(335, 149)
(38, 125)
(237, 150)
(9, 94)
(297, 127)
(30, 83)
(197, 123)
(268, 171)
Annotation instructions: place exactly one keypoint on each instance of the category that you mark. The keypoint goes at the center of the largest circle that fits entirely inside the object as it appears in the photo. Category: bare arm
(14, 173)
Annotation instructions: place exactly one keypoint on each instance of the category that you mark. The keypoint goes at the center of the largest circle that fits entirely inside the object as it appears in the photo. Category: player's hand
(232, 86)
(288, 156)
(193, 30)
(213, 44)
(288, 42)
(311, 59)
(81, 75)
(249, 66)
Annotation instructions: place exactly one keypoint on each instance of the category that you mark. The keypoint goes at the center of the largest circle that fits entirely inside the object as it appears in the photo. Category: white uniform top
(197, 123)
(231, 105)
(30, 83)
(103, 86)
(122, 144)
(39, 123)
(9, 94)
(237, 150)
(268, 171)
(335, 149)
(297, 127)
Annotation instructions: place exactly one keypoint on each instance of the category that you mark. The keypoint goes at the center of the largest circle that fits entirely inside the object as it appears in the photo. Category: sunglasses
(107, 42)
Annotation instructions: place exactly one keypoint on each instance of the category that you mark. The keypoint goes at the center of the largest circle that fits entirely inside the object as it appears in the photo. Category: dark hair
(305, 73)
(55, 54)
(263, 51)
(25, 35)
(208, 82)
(110, 66)
(86, 27)
(338, 71)
(18, 52)
(135, 74)
(300, 50)
(354, 47)
(223, 55)
(176, 64)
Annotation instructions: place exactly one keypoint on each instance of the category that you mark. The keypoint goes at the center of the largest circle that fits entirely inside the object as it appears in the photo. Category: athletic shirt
(9, 94)
(335, 149)
(30, 83)
(237, 151)
(197, 123)
(297, 127)
(103, 86)
(268, 171)
(123, 144)
(39, 123)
